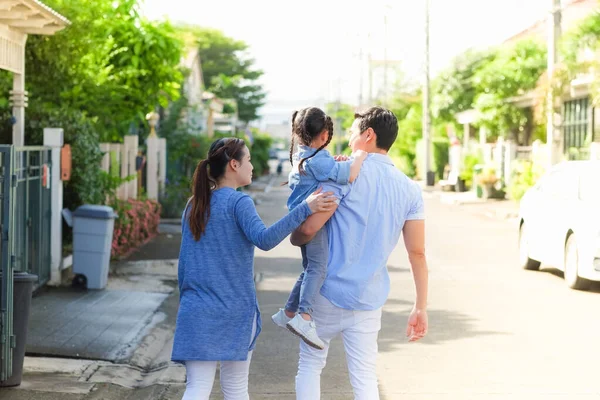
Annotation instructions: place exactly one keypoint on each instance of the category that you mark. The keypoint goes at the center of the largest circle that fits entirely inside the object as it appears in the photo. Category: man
(372, 212)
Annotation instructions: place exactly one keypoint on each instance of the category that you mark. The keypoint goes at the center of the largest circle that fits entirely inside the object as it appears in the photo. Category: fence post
(162, 165)
(54, 138)
(117, 149)
(152, 168)
(152, 145)
(131, 144)
(510, 154)
(105, 164)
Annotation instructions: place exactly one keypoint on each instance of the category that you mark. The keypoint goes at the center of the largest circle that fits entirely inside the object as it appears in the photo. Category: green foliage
(340, 112)
(525, 175)
(454, 89)
(88, 184)
(579, 49)
(175, 198)
(513, 72)
(404, 150)
(468, 167)
(259, 152)
(111, 64)
(440, 155)
(228, 70)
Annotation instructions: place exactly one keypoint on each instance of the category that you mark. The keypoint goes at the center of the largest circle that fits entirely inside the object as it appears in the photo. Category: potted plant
(490, 183)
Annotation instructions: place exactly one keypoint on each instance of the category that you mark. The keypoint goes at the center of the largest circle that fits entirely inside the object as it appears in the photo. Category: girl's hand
(320, 202)
(360, 154)
(341, 158)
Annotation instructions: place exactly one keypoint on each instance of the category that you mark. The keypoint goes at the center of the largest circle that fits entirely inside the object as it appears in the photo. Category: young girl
(218, 319)
(311, 165)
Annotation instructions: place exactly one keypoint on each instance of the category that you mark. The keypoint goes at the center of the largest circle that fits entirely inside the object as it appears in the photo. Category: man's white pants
(359, 330)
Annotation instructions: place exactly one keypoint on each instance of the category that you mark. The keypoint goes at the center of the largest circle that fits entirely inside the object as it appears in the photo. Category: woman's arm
(255, 230)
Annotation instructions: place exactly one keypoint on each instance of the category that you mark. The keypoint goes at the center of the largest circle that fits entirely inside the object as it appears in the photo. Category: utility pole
(385, 56)
(338, 122)
(370, 68)
(360, 77)
(429, 176)
(554, 32)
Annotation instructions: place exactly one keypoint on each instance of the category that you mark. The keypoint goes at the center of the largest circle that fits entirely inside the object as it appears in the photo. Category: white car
(560, 222)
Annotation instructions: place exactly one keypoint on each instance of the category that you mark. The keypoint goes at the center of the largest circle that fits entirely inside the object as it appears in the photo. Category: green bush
(183, 154)
(469, 163)
(259, 152)
(175, 198)
(440, 154)
(524, 175)
(88, 184)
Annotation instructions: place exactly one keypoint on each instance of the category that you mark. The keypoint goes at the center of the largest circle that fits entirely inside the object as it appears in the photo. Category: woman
(218, 318)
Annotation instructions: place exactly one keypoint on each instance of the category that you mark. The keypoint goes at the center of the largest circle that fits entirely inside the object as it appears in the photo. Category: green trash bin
(477, 169)
(21, 308)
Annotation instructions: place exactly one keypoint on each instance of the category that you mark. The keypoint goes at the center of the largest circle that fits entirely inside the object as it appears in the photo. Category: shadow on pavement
(275, 360)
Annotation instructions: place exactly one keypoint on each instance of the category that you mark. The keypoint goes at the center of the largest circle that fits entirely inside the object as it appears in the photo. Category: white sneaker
(306, 330)
(280, 319)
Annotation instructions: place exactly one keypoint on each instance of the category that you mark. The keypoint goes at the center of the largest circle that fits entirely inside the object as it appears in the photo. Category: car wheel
(572, 278)
(524, 260)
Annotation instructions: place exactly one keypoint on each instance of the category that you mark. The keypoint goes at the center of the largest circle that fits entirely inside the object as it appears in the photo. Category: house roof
(31, 17)
(572, 13)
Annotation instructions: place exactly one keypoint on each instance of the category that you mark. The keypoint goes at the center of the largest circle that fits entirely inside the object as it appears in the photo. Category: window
(577, 124)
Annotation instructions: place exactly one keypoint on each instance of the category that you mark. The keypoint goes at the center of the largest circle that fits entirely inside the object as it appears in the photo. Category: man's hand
(418, 324)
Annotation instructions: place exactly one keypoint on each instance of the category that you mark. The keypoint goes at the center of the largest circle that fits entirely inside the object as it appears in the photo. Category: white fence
(503, 155)
(120, 160)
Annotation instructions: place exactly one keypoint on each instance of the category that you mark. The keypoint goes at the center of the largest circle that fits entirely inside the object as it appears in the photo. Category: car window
(560, 183)
(589, 187)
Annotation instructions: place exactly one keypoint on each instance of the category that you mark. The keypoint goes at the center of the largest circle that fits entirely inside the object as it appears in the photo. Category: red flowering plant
(137, 223)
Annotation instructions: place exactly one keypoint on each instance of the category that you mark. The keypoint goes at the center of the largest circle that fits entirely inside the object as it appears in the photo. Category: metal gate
(577, 128)
(32, 211)
(6, 262)
(25, 217)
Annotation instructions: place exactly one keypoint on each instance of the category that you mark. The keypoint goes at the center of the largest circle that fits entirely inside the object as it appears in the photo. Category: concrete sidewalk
(117, 342)
(497, 209)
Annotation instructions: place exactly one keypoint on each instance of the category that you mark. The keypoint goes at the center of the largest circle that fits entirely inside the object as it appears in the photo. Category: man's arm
(414, 240)
(310, 227)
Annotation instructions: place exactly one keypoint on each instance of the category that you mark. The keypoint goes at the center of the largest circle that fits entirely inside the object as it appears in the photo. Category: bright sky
(310, 49)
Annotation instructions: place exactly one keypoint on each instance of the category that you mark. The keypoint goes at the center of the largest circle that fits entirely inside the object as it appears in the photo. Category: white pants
(234, 377)
(359, 330)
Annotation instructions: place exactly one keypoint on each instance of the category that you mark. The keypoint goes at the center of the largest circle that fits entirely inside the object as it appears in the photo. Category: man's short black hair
(383, 122)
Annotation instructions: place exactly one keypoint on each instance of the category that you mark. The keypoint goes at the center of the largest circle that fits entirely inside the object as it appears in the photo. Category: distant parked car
(560, 222)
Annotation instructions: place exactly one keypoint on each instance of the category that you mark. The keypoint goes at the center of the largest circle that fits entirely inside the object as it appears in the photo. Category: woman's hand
(320, 202)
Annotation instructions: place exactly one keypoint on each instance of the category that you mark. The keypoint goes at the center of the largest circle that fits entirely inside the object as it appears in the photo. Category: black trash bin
(21, 306)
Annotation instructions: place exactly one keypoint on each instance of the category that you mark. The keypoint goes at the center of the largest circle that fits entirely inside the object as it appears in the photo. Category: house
(204, 113)
(21, 18)
(580, 120)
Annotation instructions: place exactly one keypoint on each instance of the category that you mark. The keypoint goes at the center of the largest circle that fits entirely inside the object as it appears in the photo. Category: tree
(579, 48)
(454, 89)
(514, 71)
(341, 112)
(228, 70)
(111, 64)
